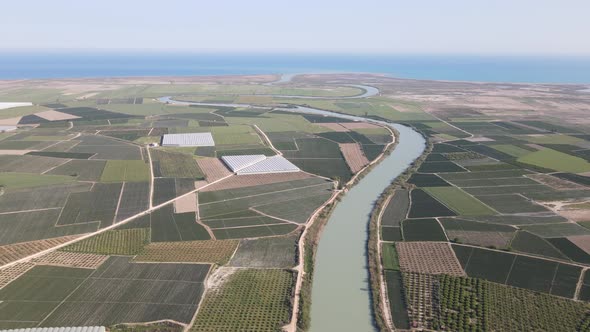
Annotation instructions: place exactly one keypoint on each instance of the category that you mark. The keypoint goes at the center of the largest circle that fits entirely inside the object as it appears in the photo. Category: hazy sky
(386, 26)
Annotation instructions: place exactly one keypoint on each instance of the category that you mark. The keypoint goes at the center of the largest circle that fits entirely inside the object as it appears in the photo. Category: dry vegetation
(428, 257)
(71, 259)
(213, 251)
(13, 252)
(354, 156)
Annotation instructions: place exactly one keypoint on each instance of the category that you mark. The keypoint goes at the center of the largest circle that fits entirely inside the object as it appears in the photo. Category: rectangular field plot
(84, 170)
(333, 168)
(525, 190)
(511, 203)
(573, 247)
(167, 226)
(253, 231)
(99, 204)
(115, 242)
(39, 198)
(234, 307)
(459, 201)
(422, 230)
(512, 173)
(172, 164)
(424, 205)
(478, 233)
(519, 271)
(557, 230)
(427, 180)
(107, 148)
(275, 252)
(32, 296)
(28, 164)
(166, 189)
(37, 225)
(428, 257)
(494, 182)
(13, 180)
(297, 210)
(440, 167)
(211, 251)
(134, 199)
(556, 160)
(391, 233)
(216, 204)
(396, 294)
(120, 291)
(397, 208)
(533, 244)
(125, 171)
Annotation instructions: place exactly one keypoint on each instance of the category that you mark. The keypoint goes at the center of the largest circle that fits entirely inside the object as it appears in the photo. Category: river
(341, 290)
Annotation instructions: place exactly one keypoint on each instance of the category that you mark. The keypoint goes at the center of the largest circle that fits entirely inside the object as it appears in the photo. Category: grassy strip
(373, 257)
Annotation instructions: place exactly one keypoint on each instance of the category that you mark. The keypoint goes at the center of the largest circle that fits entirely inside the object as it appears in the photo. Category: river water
(341, 290)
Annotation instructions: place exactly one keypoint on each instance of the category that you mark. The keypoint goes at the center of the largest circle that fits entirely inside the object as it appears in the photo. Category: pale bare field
(56, 116)
(10, 121)
(582, 241)
(71, 259)
(186, 203)
(354, 156)
(213, 168)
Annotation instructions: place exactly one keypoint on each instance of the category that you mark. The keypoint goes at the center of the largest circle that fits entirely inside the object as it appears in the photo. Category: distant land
(530, 69)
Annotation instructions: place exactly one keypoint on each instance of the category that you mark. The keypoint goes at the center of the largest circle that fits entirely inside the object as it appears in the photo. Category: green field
(459, 201)
(559, 161)
(117, 242)
(24, 180)
(125, 171)
(250, 300)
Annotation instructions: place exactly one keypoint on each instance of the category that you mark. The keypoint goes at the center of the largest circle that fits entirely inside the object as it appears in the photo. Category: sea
(532, 69)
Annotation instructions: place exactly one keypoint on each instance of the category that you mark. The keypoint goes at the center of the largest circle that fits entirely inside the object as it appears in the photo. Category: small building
(259, 164)
(188, 139)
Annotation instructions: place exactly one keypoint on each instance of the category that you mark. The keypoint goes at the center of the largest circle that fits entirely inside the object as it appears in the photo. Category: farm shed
(189, 139)
(60, 329)
(258, 164)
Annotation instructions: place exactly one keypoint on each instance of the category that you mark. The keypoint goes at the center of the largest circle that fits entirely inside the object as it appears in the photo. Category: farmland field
(487, 231)
(459, 201)
(250, 300)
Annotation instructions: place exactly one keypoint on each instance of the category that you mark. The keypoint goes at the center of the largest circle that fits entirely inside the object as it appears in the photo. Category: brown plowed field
(355, 158)
(213, 168)
(13, 252)
(582, 241)
(8, 274)
(211, 251)
(71, 259)
(428, 257)
(239, 181)
(56, 116)
(187, 203)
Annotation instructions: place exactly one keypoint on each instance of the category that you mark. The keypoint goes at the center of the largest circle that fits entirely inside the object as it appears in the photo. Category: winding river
(341, 290)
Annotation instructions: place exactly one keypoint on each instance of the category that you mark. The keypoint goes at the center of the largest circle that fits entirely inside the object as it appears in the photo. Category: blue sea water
(534, 69)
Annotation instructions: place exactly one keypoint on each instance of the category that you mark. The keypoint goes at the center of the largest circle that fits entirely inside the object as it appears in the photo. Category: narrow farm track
(382, 285)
